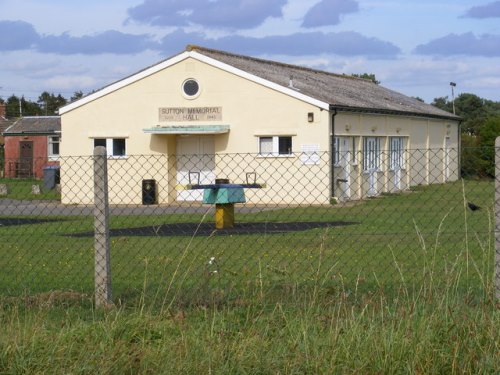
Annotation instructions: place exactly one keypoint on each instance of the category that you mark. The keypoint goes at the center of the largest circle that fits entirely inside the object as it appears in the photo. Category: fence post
(101, 229)
(497, 218)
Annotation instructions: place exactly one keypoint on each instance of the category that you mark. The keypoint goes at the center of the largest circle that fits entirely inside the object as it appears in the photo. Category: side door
(371, 162)
(25, 165)
(344, 156)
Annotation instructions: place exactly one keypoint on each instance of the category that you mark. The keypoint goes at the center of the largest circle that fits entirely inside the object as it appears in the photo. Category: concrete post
(497, 218)
(101, 229)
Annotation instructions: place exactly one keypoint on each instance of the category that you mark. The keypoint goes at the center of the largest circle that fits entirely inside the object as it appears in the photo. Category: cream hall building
(361, 139)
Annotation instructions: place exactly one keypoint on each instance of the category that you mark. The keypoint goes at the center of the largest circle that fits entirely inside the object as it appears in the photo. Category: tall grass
(435, 327)
(448, 333)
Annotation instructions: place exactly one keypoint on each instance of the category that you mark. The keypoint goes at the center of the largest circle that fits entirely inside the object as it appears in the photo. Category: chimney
(2, 109)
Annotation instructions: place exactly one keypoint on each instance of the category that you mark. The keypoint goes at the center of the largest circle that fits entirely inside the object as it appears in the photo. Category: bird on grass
(472, 206)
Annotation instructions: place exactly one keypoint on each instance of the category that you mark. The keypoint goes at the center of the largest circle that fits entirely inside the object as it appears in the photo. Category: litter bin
(51, 176)
(148, 192)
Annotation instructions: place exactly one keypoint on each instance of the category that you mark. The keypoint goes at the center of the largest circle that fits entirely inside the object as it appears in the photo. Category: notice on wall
(309, 154)
(186, 114)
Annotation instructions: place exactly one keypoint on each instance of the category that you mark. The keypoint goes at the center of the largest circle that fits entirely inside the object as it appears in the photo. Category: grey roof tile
(339, 91)
(35, 125)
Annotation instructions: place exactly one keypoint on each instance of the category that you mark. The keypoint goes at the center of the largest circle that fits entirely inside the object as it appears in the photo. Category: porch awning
(188, 129)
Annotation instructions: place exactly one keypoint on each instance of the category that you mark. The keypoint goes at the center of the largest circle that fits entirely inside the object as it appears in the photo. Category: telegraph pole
(453, 84)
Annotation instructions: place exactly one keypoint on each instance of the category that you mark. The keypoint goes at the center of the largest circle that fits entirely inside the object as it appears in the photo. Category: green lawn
(21, 189)
(408, 240)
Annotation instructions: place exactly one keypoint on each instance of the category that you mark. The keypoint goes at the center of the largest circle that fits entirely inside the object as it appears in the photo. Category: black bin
(148, 192)
(51, 176)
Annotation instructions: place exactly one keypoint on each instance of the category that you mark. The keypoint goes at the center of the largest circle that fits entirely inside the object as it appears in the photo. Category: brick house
(31, 143)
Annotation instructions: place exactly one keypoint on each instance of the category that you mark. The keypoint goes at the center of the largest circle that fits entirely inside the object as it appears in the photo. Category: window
(371, 154)
(114, 146)
(272, 146)
(53, 149)
(190, 88)
(396, 153)
(345, 151)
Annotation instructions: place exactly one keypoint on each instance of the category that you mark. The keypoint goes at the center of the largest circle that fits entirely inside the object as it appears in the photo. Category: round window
(191, 87)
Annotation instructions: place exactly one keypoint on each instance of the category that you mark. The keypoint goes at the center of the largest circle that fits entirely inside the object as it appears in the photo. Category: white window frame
(397, 153)
(372, 154)
(110, 148)
(50, 146)
(275, 146)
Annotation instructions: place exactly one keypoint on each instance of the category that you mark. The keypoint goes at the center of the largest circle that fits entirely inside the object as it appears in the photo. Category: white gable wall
(249, 108)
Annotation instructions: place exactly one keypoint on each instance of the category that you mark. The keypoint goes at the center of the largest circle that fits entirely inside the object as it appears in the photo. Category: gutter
(392, 112)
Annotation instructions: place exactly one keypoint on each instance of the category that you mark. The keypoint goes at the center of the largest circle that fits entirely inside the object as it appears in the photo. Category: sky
(416, 47)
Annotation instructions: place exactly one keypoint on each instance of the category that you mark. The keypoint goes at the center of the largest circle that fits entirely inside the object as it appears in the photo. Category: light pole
(453, 84)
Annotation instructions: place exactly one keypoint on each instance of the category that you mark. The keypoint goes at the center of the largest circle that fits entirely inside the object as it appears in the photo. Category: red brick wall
(40, 160)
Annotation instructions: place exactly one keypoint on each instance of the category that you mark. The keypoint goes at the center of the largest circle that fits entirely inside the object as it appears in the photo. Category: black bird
(472, 206)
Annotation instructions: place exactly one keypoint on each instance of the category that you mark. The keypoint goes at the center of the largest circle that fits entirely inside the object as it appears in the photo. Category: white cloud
(68, 83)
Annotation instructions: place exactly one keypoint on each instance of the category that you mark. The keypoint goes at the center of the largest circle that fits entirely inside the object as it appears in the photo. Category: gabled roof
(4, 124)
(39, 125)
(323, 89)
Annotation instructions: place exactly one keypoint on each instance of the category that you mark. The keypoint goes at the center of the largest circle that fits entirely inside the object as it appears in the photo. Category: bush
(478, 152)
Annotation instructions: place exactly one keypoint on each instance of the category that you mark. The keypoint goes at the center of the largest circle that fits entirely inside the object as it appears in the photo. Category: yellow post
(224, 215)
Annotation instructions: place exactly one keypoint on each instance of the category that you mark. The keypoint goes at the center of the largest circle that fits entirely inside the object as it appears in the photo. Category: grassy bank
(421, 333)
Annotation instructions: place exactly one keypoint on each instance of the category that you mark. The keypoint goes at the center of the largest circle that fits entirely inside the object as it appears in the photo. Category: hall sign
(183, 114)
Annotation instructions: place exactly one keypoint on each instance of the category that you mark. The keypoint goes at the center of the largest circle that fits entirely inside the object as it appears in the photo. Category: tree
(368, 76)
(489, 132)
(473, 112)
(51, 103)
(77, 95)
(443, 103)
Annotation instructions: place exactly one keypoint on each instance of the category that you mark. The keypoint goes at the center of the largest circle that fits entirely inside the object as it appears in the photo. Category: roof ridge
(194, 47)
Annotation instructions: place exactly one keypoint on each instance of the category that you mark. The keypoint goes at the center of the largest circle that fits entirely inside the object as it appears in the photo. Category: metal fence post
(101, 229)
(497, 218)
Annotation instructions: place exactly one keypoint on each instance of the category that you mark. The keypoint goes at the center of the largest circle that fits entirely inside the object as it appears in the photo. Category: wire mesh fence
(230, 227)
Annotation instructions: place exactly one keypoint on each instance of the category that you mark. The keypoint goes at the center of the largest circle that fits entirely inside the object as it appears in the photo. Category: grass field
(407, 289)
(413, 238)
(21, 189)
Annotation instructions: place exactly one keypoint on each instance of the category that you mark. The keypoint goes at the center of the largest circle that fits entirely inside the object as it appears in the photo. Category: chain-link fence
(230, 227)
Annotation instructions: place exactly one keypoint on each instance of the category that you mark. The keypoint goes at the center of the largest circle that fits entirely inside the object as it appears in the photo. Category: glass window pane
(285, 145)
(265, 145)
(100, 142)
(55, 149)
(119, 147)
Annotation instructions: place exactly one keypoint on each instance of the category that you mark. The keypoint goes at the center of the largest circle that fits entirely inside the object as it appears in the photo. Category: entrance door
(371, 162)
(195, 158)
(25, 166)
(344, 162)
(396, 161)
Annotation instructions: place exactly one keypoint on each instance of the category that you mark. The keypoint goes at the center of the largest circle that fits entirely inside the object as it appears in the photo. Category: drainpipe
(332, 154)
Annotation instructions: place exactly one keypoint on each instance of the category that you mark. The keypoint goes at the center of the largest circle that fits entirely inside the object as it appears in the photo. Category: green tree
(77, 95)
(368, 76)
(472, 163)
(489, 132)
(473, 112)
(443, 103)
(51, 103)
